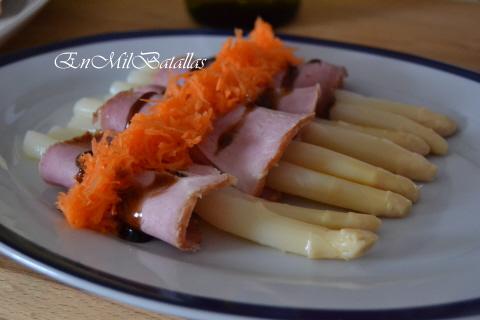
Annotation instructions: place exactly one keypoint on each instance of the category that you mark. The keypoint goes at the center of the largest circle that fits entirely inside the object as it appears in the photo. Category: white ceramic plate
(15, 13)
(424, 267)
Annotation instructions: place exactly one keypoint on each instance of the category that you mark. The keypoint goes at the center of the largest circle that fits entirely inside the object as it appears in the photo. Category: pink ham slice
(162, 76)
(330, 77)
(166, 210)
(116, 112)
(166, 214)
(300, 100)
(247, 142)
(58, 164)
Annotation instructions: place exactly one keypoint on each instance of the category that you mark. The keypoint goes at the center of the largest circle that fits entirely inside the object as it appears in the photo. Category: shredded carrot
(161, 139)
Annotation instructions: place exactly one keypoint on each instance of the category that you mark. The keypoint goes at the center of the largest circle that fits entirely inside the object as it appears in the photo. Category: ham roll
(159, 205)
(116, 113)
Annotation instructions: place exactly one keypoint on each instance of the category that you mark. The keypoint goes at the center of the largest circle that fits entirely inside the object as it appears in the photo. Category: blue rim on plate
(58, 262)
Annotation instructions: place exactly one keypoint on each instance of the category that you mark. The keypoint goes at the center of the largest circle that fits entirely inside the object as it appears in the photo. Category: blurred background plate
(15, 13)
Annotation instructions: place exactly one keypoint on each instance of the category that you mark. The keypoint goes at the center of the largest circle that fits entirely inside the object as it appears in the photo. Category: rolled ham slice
(117, 111)
(58, 165)
(247, 142)
(166, 209)
(329, 76)
(166, 214)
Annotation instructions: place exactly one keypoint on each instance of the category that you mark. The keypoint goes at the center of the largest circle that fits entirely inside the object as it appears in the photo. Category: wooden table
(448, 31)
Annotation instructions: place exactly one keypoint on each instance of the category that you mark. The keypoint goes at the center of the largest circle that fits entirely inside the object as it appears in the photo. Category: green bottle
(242, 13)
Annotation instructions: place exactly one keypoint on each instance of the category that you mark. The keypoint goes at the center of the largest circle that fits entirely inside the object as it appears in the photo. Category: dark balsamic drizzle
(162, 89)
(315, 61)
(141, 101)
(81, 167)
(180, 174)
(129, 210)
(128, 233)
(289, 78)
(227, 136)
(269, 98)
(85, 138)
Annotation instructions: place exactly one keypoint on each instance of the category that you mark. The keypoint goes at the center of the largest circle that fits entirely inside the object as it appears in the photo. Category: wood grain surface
(448, 31)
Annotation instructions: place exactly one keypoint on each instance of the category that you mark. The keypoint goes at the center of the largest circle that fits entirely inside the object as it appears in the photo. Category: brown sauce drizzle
(269, 98)
(314, 61)
(129, 210)
(227, 136)
(81, 167)
(180, 174)
(142, 101)
(289, 78)
(85, 138)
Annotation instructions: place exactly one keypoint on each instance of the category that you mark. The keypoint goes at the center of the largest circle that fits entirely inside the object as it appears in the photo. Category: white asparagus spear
(369, 116)
(87, 106)
(141, 77)
(325, 218)
(35, 144)
(441, 123)
(376, 151)
(342, 166)
(62, 134)
(229, 211)
(83, 122)
(295, 180)
(118, 86)
(406, 140)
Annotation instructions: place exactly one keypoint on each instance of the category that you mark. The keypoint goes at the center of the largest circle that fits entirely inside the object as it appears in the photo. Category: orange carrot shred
(161, 139)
